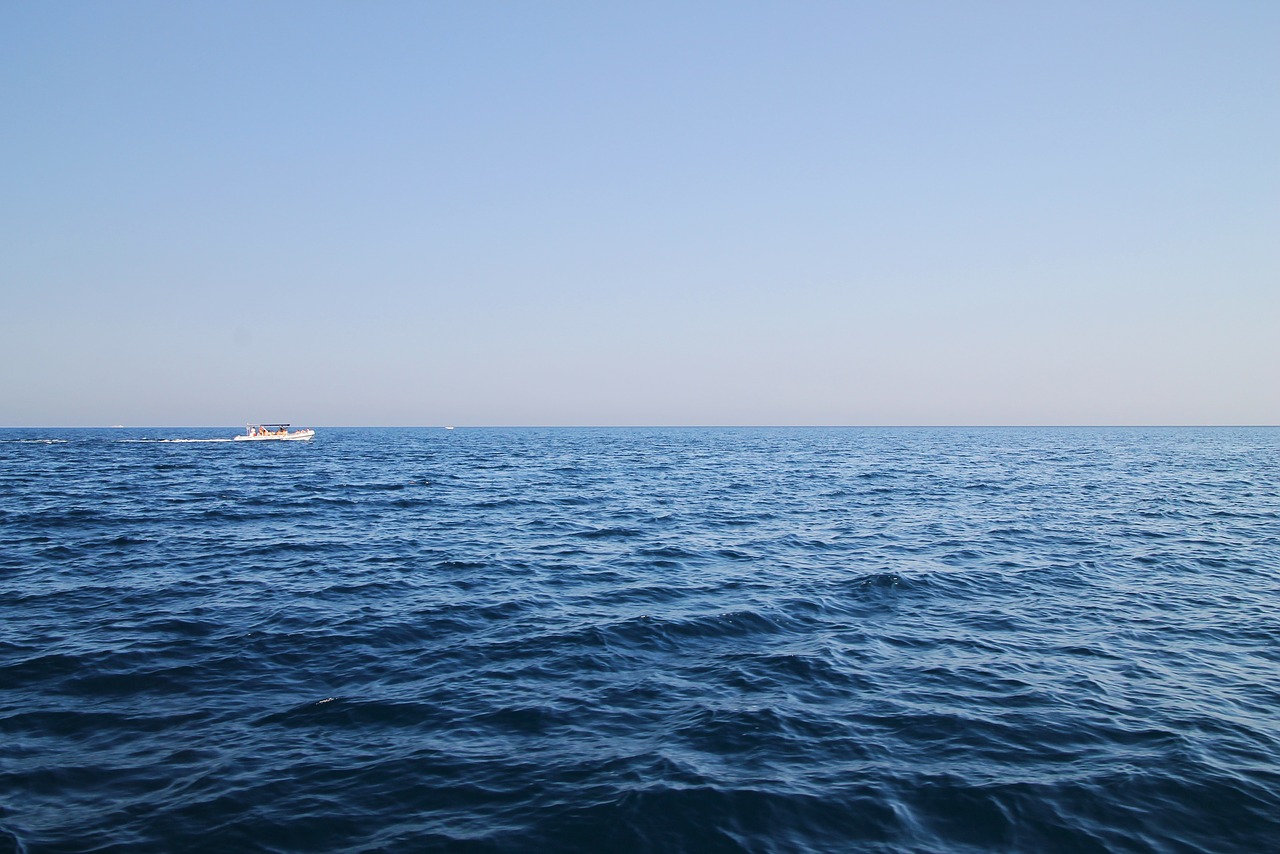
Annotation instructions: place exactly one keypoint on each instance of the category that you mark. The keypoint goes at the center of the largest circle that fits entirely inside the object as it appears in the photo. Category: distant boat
(274, 433)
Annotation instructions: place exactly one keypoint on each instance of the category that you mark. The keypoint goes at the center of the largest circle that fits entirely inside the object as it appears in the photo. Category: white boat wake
(169, 441)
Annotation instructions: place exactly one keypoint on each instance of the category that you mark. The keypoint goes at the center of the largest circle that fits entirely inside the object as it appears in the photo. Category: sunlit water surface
(641, 640)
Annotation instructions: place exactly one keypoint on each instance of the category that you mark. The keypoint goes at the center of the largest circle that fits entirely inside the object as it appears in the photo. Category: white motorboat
(274, 433)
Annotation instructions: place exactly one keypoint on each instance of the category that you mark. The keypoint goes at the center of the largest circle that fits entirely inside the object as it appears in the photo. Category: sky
(657, 213)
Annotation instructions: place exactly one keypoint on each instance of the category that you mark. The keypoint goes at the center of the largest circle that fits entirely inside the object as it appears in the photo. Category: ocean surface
(626, 640)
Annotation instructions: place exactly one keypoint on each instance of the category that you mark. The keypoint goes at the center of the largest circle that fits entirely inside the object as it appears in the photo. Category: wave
(643, 640)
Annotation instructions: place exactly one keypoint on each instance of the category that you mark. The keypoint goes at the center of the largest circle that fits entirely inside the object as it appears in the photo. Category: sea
(641, 640)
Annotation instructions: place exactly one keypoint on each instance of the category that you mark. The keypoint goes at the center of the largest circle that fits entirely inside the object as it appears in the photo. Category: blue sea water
(762, 640)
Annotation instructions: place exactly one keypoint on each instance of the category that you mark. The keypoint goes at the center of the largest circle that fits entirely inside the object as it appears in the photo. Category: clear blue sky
(595, 213)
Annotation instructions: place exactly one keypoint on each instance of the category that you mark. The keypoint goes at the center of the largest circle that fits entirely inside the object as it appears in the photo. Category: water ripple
(686, 640)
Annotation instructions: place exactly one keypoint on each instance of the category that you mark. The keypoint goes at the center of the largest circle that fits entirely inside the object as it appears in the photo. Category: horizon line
(903, 426)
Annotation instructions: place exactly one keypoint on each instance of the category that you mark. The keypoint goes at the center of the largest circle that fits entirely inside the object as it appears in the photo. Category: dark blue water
(641, 640)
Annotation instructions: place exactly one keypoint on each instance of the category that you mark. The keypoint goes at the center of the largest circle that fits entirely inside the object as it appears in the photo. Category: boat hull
(295, 436)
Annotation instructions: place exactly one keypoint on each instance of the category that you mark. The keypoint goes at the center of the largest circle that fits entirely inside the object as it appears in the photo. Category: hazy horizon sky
(706, 213)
